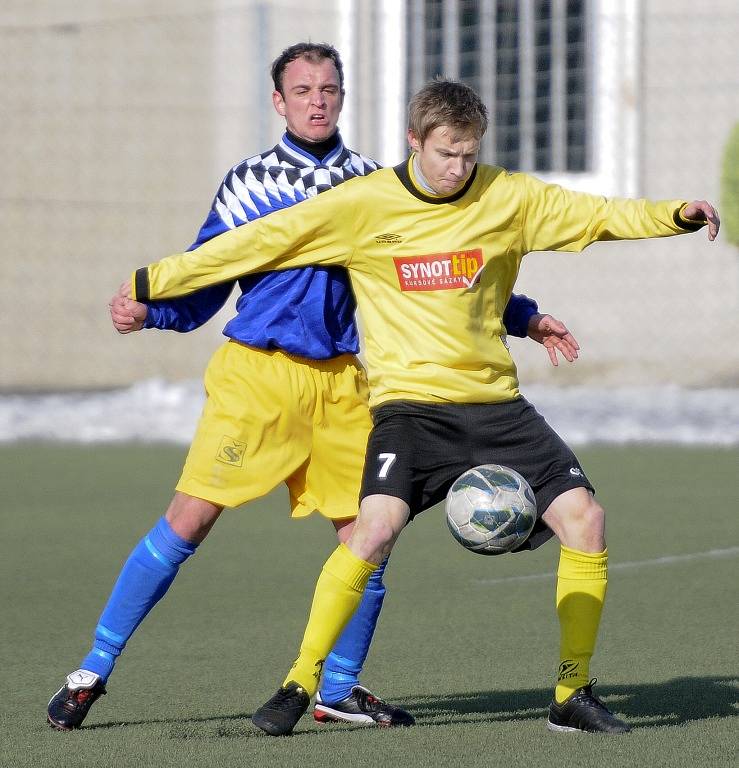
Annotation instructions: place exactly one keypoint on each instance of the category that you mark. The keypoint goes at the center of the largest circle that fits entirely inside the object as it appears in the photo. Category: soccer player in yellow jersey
(433, 248)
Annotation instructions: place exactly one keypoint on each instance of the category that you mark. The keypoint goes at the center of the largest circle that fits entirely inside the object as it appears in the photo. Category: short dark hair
(314, 52)
(449, 103)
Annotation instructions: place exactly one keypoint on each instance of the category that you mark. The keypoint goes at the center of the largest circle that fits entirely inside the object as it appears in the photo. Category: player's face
(446, 158)
(312, 101)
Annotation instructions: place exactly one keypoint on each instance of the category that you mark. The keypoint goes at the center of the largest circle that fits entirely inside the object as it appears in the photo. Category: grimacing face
(446, 158)
(312, 102)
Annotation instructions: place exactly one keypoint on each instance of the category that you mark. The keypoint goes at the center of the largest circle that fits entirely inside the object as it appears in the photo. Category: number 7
(387, 460)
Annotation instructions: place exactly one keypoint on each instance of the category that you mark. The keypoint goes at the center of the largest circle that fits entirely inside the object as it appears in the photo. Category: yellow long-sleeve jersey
(432, 275)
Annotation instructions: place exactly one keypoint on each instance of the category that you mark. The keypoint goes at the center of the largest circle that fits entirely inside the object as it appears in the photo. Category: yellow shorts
(271, 417)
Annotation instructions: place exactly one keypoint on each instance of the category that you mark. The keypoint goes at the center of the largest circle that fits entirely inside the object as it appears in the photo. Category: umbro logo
(388, 237)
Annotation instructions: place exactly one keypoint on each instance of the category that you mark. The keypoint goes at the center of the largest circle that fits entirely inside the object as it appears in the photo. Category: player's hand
(127, 315)
(700, 210)
(125, 290)
(553, 334)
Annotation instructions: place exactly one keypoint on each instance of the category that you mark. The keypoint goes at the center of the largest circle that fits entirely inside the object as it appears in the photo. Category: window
(528, 59)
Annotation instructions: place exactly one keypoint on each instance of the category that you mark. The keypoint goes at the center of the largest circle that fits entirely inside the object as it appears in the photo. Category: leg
(147, 575)
(144, 579)
(341, 697)
(579, 523)
(342, 582)
(338, 593)
(266, 443)
(343, 665)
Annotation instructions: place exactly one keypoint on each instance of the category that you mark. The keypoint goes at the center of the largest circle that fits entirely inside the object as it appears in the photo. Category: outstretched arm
(318, 233)
(558, 219)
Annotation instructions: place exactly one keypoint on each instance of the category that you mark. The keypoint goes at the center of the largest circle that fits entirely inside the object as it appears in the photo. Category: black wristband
(141, 283)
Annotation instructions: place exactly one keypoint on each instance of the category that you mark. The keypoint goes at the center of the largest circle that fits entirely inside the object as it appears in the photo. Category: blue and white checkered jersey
(308, 311)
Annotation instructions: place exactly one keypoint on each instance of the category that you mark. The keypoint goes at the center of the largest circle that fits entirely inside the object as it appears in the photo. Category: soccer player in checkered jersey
(287, 398)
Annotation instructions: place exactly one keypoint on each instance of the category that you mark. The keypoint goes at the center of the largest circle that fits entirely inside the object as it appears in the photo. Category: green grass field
(465, 643)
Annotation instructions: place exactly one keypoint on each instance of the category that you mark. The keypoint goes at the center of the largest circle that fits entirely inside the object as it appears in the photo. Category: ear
(279, 103)
(414, 143)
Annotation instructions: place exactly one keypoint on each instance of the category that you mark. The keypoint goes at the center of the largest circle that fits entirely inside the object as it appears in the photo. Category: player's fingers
(563, 350)
(568, 350)
(571, 341)
(121, 319)
(714, 223)
(552, 352)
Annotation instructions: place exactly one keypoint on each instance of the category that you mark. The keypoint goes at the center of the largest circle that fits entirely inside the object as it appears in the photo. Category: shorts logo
(439, 271)
(575, 472)
(231, 452)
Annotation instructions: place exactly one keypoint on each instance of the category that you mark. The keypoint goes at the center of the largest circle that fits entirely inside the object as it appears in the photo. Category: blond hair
(448, 103)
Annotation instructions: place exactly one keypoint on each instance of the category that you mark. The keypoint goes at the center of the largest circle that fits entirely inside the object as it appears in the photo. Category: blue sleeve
(518, 313)
(189, 312)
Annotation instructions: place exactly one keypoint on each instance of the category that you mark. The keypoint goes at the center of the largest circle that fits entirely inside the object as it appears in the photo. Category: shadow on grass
(239, 717)
(672, 702)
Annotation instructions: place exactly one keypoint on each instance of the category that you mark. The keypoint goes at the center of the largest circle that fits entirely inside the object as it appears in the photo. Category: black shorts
(417, 450)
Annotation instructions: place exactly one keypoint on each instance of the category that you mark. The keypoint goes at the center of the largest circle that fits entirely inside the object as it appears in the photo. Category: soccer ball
(490, 509)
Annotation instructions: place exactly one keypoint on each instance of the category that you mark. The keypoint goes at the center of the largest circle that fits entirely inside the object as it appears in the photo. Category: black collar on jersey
(317, 149)
(402, 172)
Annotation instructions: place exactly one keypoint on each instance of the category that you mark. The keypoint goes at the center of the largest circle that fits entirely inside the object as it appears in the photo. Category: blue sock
(343, 665)
(144, 579)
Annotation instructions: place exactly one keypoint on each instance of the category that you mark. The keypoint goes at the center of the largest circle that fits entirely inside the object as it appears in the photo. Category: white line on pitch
(667, 560)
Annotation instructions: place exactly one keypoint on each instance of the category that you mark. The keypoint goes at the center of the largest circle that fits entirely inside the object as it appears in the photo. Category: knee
(372, 539)
(190, 517)
(379, 532)
(578, 520)
(588, 515)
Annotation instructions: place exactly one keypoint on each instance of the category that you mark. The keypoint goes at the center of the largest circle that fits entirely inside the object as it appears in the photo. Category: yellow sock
(582, 578)
(338, 592)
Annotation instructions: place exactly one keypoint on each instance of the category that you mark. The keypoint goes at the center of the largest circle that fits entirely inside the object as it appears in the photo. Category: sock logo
(319, 668)
(567, 669)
